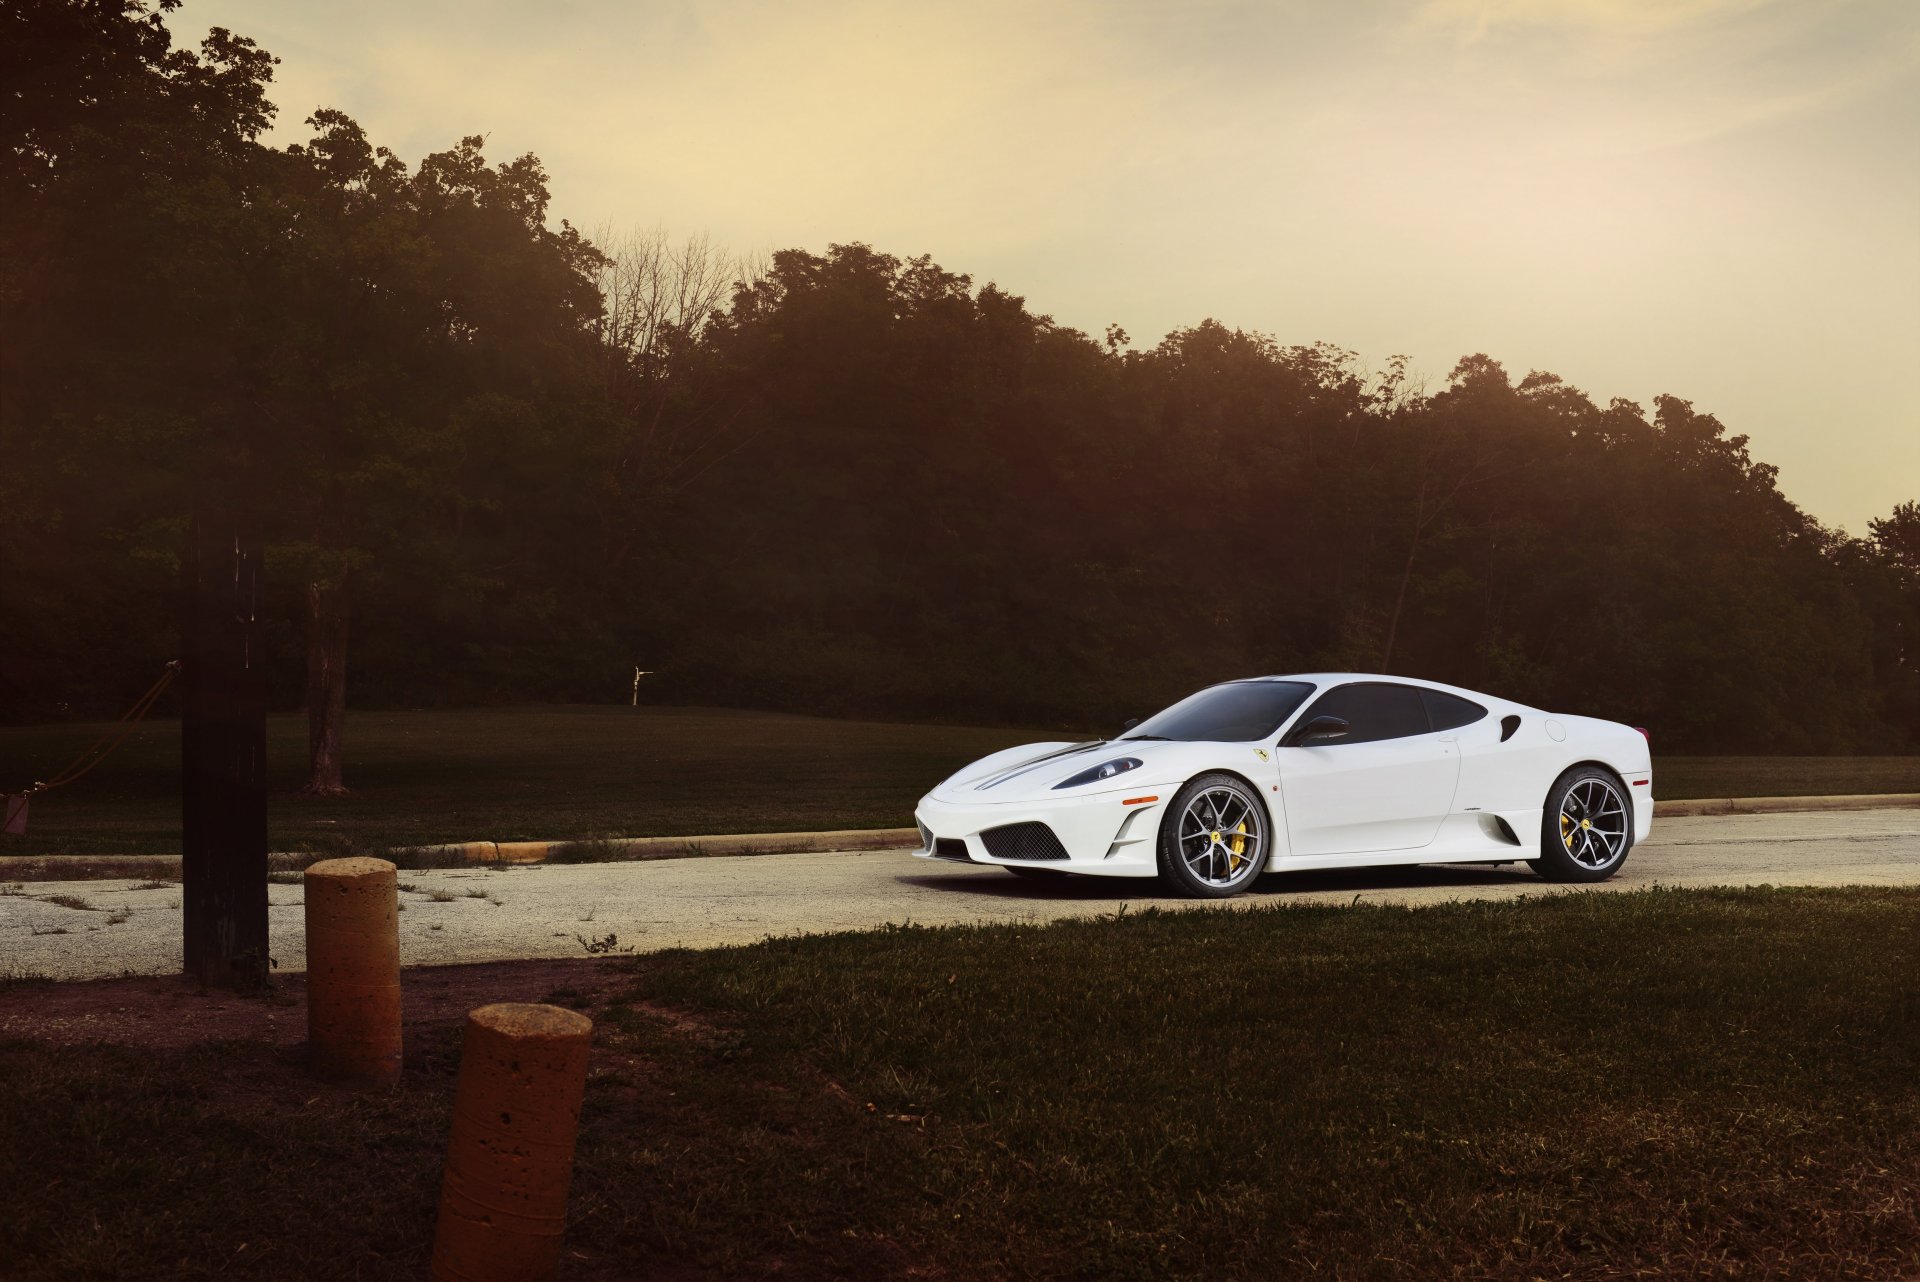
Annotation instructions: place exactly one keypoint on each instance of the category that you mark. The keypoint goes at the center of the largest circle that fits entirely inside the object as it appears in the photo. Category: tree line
(493, 458)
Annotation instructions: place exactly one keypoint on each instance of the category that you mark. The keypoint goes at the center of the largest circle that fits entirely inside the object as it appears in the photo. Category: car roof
(1344, 678)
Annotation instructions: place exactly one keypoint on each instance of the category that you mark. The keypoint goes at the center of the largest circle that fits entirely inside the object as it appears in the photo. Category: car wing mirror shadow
(1319, 730)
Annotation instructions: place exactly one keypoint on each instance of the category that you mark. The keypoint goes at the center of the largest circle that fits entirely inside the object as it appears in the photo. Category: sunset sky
(1714, 198)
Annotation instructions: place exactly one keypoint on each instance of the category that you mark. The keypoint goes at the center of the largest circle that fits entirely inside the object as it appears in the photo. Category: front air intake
(1028, 842)
(951, 848)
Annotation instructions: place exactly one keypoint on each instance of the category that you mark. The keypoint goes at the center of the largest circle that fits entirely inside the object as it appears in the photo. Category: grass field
(553, 773)
(1716, 1084)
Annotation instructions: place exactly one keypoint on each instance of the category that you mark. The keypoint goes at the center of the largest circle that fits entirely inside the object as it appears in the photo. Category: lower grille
(926, 838)
(1030, 842)
(951, 848)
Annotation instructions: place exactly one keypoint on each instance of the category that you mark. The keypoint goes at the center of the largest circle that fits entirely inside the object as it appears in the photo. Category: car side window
(1450, 712)
(1373, 710)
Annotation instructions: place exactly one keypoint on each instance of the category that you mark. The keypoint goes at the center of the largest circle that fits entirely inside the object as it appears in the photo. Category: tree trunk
(1399, 603)
(1420, 519)
(326, 686)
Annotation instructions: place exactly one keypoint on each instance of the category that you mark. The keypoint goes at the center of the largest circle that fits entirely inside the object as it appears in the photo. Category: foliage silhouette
(857, 483)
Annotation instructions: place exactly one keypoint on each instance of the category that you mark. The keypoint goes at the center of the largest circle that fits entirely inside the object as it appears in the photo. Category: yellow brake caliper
(1568, 827)
(1236, 849)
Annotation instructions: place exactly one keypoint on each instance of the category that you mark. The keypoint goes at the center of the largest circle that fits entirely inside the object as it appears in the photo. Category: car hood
(1032, 771)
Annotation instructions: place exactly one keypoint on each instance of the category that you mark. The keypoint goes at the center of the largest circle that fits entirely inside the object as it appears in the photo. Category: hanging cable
(100, 749)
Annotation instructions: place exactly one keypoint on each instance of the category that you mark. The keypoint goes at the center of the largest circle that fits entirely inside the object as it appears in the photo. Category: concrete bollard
(353, 971)
(516, 1113)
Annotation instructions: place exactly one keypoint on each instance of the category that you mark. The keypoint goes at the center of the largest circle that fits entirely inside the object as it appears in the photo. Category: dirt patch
(169, 1012)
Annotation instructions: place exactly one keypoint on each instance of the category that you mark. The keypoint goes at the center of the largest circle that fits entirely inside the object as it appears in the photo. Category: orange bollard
(353, 971)
(516, 1113)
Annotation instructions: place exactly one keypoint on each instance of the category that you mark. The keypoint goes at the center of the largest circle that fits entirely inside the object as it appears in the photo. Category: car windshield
(1231, 713)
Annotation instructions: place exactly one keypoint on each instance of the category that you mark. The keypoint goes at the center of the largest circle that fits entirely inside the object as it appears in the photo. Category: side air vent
(1508, 724)
(1498, 829)
(1029, 841)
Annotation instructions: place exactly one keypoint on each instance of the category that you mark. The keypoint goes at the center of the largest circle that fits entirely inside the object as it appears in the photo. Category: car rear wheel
(1215, 838)
(1586, 830)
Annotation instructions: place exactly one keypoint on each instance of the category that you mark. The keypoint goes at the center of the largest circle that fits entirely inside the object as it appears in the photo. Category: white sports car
(1329, 770)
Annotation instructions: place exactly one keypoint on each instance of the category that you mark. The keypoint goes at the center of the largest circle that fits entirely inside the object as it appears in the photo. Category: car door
(1386, 785)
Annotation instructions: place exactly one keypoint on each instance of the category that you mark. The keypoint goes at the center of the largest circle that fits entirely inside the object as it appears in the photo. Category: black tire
(1037, 874)
(1242, 867)
(1586, 829)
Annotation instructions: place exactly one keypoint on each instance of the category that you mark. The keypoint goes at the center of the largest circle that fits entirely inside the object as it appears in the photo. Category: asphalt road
(496, 914)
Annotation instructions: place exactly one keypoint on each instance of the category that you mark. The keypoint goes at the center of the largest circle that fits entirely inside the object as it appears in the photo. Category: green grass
(582, 773)
(509, 774)
(1682, 777)
(1715, 1084)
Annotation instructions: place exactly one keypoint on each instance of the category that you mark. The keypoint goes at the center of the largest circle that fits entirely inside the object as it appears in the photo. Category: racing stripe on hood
(1034, 763)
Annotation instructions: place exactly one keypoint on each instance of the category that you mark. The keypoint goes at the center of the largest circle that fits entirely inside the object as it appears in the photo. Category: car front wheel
(1215, 838)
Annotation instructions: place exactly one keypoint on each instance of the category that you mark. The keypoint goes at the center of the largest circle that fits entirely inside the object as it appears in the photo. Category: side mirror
(1131, 723)
(1318, 730)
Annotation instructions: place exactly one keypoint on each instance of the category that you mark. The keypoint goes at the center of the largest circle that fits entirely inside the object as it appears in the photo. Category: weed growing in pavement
(474, 892)
(600, 947)
(12, 888)
(156, 885)
(440, 896)
(597, 850)
(49, 930)
(119, 915)
(418, 857)
(69, 901)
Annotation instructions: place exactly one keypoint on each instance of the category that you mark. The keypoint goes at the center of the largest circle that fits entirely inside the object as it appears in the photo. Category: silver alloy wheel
(1593, 823)
(1222, 835)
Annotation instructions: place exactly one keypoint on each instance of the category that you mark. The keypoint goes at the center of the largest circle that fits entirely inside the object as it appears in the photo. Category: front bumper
(1101, 834)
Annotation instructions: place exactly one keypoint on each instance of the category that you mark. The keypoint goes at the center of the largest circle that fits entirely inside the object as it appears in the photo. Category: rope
(100, 749)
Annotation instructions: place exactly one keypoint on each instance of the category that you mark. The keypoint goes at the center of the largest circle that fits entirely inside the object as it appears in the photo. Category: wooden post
(353, 971)
(223, 759)
(516, 1114)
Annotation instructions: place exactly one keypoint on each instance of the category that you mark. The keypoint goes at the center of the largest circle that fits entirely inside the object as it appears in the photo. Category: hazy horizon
(1713, 198)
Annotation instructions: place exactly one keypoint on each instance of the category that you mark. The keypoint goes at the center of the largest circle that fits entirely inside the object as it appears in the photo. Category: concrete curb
(621, 849)
(624, 848)
(483, 853)
(1778, 805)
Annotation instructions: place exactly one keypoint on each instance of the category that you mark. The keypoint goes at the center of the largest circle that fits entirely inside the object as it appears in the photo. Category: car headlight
(1105, 770)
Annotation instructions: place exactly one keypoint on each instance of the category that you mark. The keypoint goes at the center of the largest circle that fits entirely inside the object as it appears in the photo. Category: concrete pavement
(548, 910)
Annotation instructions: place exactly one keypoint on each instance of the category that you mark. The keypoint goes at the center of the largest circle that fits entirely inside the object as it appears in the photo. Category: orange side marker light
(1138, 801)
